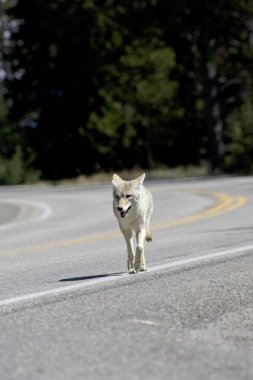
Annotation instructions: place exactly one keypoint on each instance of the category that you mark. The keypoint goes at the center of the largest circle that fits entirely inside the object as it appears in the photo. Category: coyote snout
(133, 206)
(123, 205)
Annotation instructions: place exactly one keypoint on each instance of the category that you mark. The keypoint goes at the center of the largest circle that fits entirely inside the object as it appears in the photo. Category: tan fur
(133, 206)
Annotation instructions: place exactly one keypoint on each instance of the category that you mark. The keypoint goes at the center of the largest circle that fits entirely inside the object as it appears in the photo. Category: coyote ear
(140, 179)
(116, 180)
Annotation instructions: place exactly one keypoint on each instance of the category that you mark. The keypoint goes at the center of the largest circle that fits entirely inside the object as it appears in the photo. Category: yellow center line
(224, 203)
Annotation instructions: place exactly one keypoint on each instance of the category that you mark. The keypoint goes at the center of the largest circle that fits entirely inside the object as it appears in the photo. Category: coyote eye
(128, 196)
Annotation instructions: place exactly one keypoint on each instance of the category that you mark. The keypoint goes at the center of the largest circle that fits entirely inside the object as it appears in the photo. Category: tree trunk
(214, 121)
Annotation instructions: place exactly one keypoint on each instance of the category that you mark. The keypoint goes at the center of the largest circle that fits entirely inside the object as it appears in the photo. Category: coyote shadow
(85, 278)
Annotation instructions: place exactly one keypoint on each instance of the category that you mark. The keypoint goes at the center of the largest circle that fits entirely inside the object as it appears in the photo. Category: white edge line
(56, 291)
(46, 213)
(178, 263)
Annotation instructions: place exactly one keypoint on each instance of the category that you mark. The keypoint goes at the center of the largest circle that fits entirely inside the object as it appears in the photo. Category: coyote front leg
(140, 265)
(128, 235)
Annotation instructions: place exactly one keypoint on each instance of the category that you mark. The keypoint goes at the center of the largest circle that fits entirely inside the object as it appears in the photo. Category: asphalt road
(69, 309)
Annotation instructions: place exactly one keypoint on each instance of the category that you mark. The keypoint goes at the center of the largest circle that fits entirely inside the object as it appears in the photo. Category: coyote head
(125, 194)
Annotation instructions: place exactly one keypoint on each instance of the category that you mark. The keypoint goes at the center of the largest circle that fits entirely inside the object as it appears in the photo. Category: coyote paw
(141, 268)
(132, 271)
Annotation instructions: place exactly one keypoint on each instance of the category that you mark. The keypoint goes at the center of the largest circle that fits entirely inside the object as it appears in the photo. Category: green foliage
(102, 85)
(143, 93)
(14, 170)
(239, 157)
(14, 167)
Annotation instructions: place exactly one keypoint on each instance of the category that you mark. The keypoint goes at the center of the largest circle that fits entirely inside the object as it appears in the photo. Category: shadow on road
(91, 277)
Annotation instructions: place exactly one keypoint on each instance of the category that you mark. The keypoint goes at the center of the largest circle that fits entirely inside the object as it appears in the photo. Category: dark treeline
(90, 85)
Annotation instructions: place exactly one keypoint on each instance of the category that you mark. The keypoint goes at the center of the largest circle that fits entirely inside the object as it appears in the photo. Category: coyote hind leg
(148, 235)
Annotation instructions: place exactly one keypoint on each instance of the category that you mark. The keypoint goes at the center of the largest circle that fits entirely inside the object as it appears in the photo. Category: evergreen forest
(91, 86)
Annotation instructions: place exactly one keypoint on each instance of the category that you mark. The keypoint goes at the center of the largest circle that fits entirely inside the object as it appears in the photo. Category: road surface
(69, 309)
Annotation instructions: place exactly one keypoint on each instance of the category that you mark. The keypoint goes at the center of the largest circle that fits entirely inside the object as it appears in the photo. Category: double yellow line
(224, 203)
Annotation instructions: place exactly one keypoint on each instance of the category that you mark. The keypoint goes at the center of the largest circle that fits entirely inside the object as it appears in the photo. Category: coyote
(133, 206)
